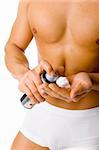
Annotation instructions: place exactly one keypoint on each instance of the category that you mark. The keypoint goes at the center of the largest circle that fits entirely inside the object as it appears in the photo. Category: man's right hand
(29, 83)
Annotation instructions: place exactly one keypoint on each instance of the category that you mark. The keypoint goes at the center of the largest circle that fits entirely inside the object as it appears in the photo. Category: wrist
(23, 70)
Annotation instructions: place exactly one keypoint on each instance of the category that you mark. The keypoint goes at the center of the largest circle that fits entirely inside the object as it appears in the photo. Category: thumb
(76, 90)
(46, 66)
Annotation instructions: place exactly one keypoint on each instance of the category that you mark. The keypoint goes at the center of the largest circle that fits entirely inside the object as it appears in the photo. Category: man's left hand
(81, 85)
(54, 91)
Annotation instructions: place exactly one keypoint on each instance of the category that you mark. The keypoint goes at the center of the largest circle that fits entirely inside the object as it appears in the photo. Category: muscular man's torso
(67, 34)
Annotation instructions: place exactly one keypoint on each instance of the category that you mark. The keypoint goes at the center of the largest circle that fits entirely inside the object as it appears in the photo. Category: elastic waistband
(62, 111)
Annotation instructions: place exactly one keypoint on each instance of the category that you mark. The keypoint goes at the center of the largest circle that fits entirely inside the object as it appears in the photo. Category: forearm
(16, 61)
(95, 80)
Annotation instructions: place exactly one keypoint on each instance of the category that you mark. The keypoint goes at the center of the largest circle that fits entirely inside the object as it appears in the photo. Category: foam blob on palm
(63, 82)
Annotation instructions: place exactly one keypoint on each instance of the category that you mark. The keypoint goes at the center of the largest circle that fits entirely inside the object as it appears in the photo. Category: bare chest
(67, 33)
(53, 22)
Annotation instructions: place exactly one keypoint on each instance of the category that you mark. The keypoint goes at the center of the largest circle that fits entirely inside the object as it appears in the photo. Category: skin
(70, 48)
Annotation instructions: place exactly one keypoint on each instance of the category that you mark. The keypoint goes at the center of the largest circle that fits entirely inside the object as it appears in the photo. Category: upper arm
(21, 34)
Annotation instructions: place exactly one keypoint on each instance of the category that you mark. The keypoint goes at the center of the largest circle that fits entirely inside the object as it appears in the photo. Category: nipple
(34, 31)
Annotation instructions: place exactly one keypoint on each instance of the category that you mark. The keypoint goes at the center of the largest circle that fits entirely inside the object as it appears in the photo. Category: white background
(11, 111)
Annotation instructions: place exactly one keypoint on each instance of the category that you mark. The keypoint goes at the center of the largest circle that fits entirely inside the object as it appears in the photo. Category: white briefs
(62, 129)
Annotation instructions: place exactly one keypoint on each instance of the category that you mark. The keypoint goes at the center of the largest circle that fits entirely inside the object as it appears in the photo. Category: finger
(43, 92)
(60, 91)
(79, 97)
(34, 90)
(45, 88)
(37, 95)
(29, 94)
(45, 65)
(54, 94)
(35, 78)
(76, 90)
